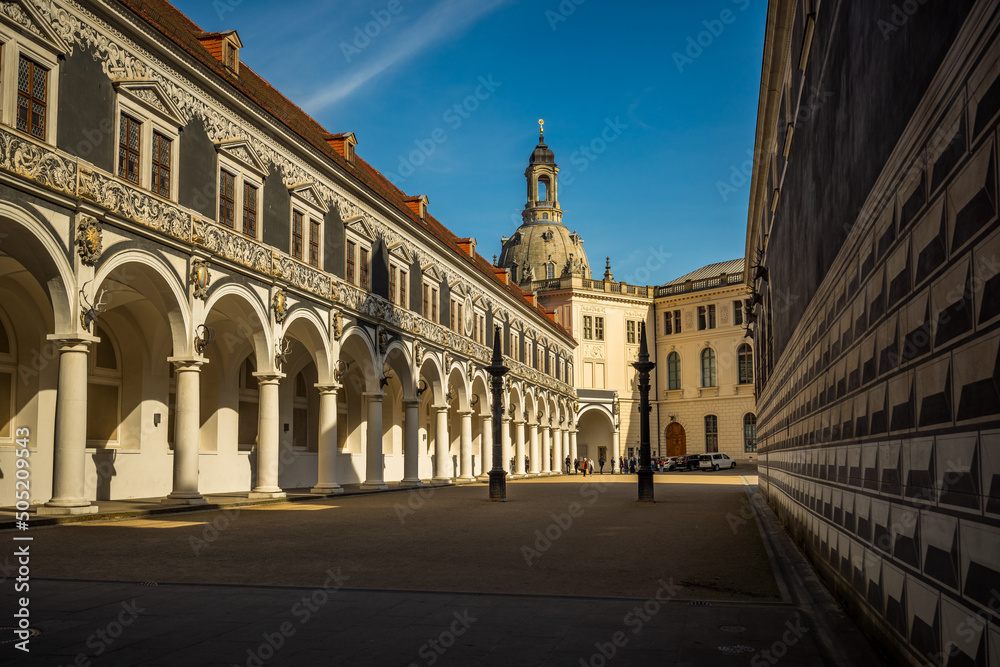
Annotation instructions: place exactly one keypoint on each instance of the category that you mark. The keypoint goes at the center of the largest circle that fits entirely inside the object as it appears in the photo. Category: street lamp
(496, 369)
(644, 366)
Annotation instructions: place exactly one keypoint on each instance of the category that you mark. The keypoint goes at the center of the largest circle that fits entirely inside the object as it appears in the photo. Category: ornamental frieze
(134, 204)
(37, 163)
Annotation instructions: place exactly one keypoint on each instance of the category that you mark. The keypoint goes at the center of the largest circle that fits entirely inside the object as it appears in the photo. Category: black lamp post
(496, 369)
(644, 366)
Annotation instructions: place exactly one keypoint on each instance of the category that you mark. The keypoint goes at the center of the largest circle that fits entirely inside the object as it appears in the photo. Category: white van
(715, 460)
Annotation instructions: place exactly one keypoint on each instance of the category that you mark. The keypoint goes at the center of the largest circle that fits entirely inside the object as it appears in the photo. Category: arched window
(745, 357)
(708, 367)
(673, 371)
(749, 432)
(550, 271)
(711, 433)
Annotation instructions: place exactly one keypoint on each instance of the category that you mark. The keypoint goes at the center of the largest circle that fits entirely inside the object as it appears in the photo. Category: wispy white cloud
(442, 21)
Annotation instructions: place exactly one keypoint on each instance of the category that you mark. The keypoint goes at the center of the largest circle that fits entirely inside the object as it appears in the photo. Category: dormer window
(225, 46)
(232, 55)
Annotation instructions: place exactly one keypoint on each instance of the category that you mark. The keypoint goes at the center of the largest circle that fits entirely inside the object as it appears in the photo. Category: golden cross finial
(541, 126)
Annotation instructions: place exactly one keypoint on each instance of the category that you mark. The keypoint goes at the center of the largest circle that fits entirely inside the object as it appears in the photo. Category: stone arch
(457, 380)
(144, 276)
(399, 360)
(43, 256)
(305, 325)
(245, 319)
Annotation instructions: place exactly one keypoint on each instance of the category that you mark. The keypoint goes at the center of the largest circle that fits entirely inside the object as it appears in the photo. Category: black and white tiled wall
(880, 425)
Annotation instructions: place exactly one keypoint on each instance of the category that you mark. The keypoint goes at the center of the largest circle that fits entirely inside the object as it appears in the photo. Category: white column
(546, 450)
(465, 448)
(326, 464)
(187, 425)
(70, 453)
(535, 455)
(268, 438)
(616, 447)
(519, 450)
(573, 454)
(373, 454)
(411, 444)
(505, 431)
(442, 447)
(558, 460)
(487, 447)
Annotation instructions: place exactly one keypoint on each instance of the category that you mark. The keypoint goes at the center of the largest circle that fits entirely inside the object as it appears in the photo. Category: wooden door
(676, 440)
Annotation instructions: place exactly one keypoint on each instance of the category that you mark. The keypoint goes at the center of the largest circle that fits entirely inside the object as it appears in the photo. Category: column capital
(373, 395)
(412, 402)
(73, 342)
(466, 413)
(268, 378)
(520, 421)
(331, 388)
(441, 408)
(187, 363)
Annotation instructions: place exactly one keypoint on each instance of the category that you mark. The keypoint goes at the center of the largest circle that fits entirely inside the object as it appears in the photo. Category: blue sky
(650, 108)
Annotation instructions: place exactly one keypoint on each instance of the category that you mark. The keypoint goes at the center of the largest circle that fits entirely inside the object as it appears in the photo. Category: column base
(532, 474)
(483, 478)
(185, 499)
(467, 479)
(261, 494)
(331, 488)
(544, 474)
(518, 475)
(442, 480)
(410, 483)
(371, 486)
(48, 510)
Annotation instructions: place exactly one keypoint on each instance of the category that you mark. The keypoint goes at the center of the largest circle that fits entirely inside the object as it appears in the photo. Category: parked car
(672, 462)
(689, 462)
(715, 460)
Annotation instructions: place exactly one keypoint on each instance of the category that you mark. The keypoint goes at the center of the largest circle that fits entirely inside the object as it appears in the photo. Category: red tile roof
(178, 28)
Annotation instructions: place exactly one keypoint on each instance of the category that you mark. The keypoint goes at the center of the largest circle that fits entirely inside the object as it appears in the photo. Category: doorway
(676, 440)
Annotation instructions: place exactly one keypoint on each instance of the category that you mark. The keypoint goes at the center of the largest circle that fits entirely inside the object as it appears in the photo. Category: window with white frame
(431, 299)
(398, 283)
(357, 261)
(30, 73)
(479, 327)
(456, 314)
(241, 181)
(308, 213)
(148, 127)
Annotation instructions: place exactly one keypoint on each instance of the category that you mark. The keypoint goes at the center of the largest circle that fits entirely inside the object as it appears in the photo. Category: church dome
(540, 251)
(542, 154)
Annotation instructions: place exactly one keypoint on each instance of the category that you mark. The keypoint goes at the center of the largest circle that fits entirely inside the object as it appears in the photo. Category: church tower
(542, 248)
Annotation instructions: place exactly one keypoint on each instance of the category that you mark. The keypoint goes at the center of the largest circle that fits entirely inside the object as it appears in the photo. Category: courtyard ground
(567, 572)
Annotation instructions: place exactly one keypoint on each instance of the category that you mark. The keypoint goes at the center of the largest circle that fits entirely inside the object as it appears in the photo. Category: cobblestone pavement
(568, 572)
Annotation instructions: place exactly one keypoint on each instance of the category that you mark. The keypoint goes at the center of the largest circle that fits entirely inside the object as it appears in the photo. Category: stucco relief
(37, 163)
(134, 204)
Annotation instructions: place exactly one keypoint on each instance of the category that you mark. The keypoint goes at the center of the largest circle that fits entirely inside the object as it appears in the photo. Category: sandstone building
(203, 290)
(702, 393)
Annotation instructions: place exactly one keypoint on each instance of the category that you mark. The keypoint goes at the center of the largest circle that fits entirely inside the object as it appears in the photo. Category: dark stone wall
(380, 269)
(445, 305)
(844, 132)
(417, 289)
(196, 170)
(276, 215)
(86, 127)
(333, 244)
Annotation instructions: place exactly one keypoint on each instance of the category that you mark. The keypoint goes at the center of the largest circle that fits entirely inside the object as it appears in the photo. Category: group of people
(625, 465)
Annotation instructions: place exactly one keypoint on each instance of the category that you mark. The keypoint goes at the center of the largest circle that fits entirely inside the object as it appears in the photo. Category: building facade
(874, 248)
(693, 411)
(205, 291)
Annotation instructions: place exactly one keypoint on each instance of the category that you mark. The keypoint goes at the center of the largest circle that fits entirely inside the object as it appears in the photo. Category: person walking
(583, 465)
(612, 465)
(590, 464)
(568, 470)
(601, 462)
